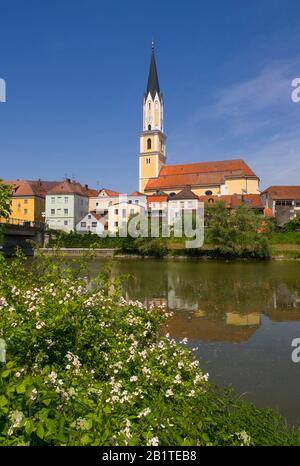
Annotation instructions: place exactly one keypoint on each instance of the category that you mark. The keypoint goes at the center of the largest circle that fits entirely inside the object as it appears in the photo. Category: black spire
(153, 84)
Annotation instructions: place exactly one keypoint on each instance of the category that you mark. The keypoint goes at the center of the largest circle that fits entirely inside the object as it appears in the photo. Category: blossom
(33, 394)
(52, 376)
(177, 379)
(169, 393)
(40, 324)
(244, 437)
(133, 378)
(144, 413)
(154, 441)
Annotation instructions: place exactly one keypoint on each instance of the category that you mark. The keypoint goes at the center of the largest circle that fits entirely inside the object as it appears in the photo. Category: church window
(149, 127)
(149, 106)
(208, 192)
(148, 160)
(210, 201)
(149, 143)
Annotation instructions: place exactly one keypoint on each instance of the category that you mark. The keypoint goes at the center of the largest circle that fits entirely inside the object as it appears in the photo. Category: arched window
(208, 192)
(149, 106)
(149, 143)
(149, 127)
(210, 201)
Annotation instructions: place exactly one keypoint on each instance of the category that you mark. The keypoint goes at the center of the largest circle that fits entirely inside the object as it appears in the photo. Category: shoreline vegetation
(241, 234)
(86, 367)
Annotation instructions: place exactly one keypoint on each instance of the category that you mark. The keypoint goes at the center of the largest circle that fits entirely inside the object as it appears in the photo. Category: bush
(292, 225)
(86, 367)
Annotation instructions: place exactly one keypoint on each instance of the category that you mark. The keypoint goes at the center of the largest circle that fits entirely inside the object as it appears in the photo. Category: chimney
(86, 186)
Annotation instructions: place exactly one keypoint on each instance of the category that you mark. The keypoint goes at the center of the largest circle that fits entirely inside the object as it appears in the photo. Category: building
(119, 214)
(205, 178)
(28, 199)
(103, 199)
(157, 204)
(284, 201)
(66, 204)
(92, 222)
(232, 201)
(184, 201)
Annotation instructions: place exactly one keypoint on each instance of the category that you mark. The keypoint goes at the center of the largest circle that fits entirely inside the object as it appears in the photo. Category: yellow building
(224, 177)
(28, 199)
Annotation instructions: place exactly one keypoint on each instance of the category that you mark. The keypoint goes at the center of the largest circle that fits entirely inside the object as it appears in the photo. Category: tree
(237, 233)
(5, 200)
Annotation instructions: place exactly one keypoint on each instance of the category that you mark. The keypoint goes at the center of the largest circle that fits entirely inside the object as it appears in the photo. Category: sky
(76, 71)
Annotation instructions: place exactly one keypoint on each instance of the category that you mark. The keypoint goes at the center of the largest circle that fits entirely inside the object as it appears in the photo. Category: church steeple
(152, 138)
(153, 83)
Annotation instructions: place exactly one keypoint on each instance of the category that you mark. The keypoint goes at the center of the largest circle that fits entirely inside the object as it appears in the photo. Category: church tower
(152, 139)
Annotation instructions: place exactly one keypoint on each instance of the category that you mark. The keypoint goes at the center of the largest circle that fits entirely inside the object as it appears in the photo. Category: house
(66, 204)
(28, 199)
(119, 214)
(284, 201)
(157, 204)
(92, 222)
(184, 201)
(204, 178)
(103, 199)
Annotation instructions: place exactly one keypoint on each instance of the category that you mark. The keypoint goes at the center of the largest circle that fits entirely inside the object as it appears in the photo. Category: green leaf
(21, 388)
(3, 401)
(5, 374)
(40, 432)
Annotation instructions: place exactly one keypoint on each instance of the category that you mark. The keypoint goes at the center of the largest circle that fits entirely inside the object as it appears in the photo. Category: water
(242, 316)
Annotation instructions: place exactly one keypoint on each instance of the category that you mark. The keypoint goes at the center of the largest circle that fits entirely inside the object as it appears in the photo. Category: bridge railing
(22, 223)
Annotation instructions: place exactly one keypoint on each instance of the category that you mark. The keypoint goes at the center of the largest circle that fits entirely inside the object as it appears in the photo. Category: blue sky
(76, 72)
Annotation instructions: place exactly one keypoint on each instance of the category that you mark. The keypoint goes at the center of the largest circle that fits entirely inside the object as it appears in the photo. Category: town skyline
(57, 123)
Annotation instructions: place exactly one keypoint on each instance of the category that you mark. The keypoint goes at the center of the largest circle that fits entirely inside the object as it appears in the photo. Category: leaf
(21, 388)
(3, 401)
(40, 432)
(5, 374)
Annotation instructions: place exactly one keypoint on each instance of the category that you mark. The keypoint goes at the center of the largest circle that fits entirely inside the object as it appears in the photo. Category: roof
(283, 192)
(69, 187)
(153, 84)
(157, 198)
(185, 193)
(31, 187)
(109, 192)
(232, 201)
(137, 193)
(197, 174)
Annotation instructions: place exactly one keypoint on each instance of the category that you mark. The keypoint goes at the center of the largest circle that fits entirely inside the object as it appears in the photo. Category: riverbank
(278, 252)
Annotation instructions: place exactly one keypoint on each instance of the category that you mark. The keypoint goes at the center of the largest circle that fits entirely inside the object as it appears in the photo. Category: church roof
(153, 84)
(199, 174)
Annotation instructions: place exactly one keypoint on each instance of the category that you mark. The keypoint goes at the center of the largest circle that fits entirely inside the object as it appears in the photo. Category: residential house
(28, 199)
(119, 214)
(66, 204)
(92, 222)
(284, 201)
(184, 201)
(102, 200)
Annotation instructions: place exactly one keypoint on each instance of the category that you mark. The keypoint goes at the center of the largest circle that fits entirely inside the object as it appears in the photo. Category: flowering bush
(86, 367)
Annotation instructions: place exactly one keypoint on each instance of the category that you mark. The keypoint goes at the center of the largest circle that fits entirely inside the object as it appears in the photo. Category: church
(216, 178)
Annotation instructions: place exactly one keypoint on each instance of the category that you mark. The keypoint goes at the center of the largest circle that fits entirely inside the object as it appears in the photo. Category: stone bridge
(20, 233)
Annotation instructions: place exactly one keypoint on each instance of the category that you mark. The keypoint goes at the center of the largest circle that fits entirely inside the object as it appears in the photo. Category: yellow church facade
(205, 178)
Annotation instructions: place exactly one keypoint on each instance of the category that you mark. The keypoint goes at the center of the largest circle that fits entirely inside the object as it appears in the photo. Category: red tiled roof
(31, 187)
(137, 193)
(157, 198)
(69, 187)
(283, 192)
(109, 192)
(197, 174)
(232, 201)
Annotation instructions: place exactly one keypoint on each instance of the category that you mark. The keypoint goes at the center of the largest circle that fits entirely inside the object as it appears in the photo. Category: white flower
(169, 393)
(154, 441)
(33, 394)
(177, 379)
(18, 374)
(68, 366)
(52, 376)
(40, 324)
(244, 437)
(144, 413)
(133, 378)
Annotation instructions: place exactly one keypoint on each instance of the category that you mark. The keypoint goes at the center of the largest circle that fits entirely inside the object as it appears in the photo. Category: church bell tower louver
(152, 139)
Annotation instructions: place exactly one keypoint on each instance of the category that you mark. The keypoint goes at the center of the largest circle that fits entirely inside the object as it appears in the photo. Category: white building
(92, 222)
(120, 213)
(66, 204)
(184, 201)
(101, 201)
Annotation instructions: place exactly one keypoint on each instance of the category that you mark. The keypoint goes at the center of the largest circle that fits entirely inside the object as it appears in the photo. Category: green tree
(5, 205)
(237, 233)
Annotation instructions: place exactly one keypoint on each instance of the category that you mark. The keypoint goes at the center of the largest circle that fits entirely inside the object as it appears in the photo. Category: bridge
(17, 233)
